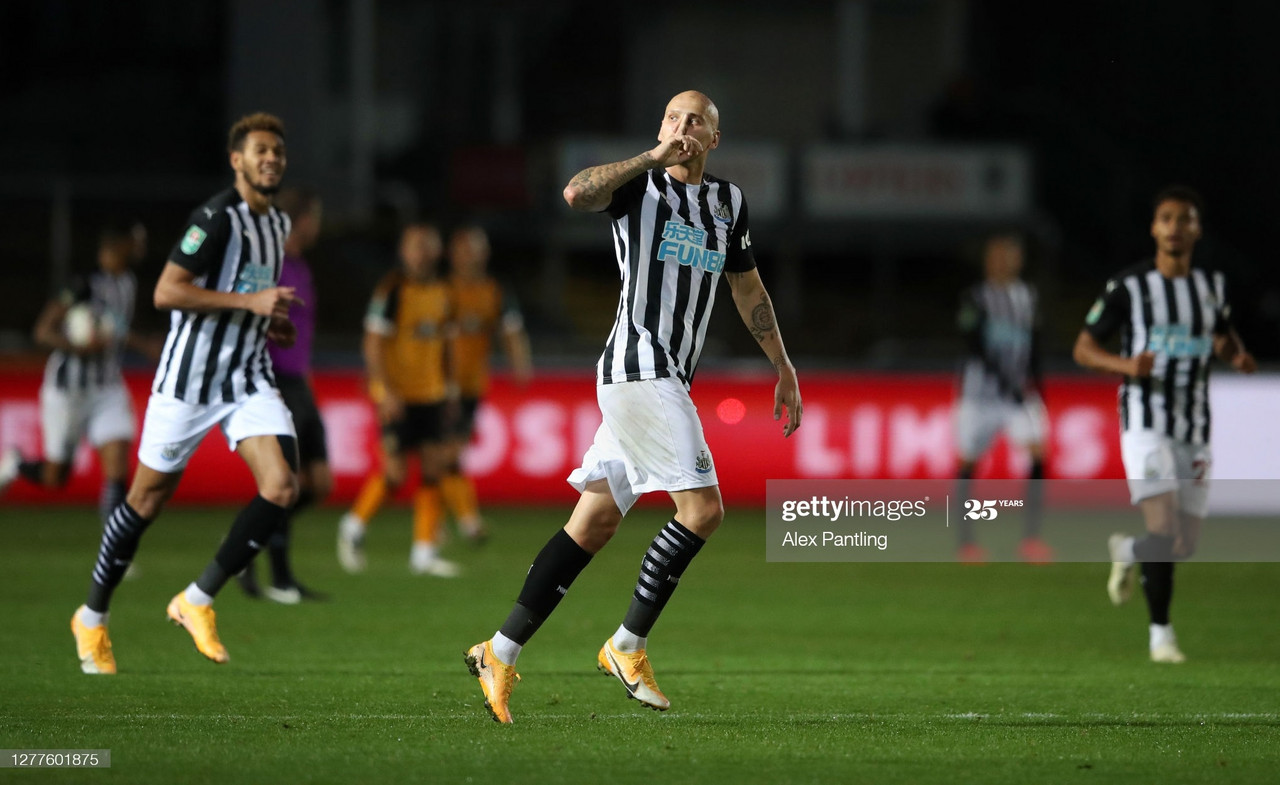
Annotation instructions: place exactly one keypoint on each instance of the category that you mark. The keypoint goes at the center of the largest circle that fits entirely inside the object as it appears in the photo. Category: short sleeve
(1109, 311)
(627, 195)
(739, 258)
(205, 240)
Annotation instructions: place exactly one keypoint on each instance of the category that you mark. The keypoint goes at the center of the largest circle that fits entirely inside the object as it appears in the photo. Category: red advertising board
(856, 426)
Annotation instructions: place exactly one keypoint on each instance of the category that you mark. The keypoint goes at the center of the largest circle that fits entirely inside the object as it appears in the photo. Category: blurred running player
(1173, 319)
(483, 311)
(83, 392)
(293, 370)
(1000, 386)
(411, 381)
(220, 286)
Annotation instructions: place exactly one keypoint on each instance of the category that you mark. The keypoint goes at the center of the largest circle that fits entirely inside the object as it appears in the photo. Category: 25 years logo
(985, 509)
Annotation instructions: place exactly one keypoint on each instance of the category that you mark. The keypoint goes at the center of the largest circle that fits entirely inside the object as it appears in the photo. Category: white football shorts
(650, 440)
(173, 429)
(978, 422)
(1156, 464)
(105, 414)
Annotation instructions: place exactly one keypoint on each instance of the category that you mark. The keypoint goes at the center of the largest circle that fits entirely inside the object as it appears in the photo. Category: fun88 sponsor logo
(255, 278)
(684, 244)
(1175, 340)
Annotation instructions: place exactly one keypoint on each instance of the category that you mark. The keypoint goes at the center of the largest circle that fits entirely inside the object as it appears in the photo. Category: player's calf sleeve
(1157, 585)
(660, 570)
(120, 537)
(252, 529)
(553, 572)
(1153, 548)
(112, 495)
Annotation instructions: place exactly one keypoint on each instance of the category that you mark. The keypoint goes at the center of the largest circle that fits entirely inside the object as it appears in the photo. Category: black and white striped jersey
(222, 356)
(1000, 324)
(111, 298)
(672, 242)
(1175, 319)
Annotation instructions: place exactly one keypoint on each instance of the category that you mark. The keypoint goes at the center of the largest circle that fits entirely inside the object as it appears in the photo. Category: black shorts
(306, 418)
(463, 422)
(422, 423)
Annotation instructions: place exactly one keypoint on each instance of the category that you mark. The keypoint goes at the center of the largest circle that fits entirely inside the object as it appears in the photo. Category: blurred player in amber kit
(483, 312)
(999, 385)
(87, 327)
(292, 366)
(1173, 319)
(411, 381)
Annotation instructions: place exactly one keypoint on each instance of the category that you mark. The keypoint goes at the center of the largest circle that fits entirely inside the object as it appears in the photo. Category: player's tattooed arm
(763, 324)
(756, 310)
(592, 189)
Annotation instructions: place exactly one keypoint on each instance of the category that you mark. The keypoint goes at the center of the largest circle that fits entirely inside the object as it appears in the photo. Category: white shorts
(978, 422)
(650, 440)
(173, 429)
(66, 416)
(1156, 464)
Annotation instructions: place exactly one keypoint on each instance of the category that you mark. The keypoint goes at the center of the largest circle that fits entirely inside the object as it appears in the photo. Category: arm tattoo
(597, 183)
(762, 324)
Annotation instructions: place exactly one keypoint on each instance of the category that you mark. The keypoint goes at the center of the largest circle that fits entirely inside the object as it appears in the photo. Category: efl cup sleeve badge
(193, 239)
(1095, 313)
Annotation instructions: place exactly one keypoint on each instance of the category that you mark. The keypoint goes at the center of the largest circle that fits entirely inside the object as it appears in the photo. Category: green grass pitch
(901, 673)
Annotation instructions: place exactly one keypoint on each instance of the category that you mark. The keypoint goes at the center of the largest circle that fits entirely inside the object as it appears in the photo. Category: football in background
(80, 324)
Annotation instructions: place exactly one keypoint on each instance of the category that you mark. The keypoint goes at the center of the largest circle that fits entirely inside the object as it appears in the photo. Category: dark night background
(129, 102)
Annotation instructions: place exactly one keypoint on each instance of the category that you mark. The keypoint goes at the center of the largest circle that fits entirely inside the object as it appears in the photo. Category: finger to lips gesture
(677, 149)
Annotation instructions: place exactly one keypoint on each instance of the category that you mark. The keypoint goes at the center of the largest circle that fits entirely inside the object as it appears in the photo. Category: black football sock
(964, 526)
(306, 497)
(553, 571)
(32, 471)
(1035, 501)
(278, 548)
(1153, 548)
(252, 529)
(1157, 585)
(278, 551)
(120, 539)
(660, 570)
(111, 497)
